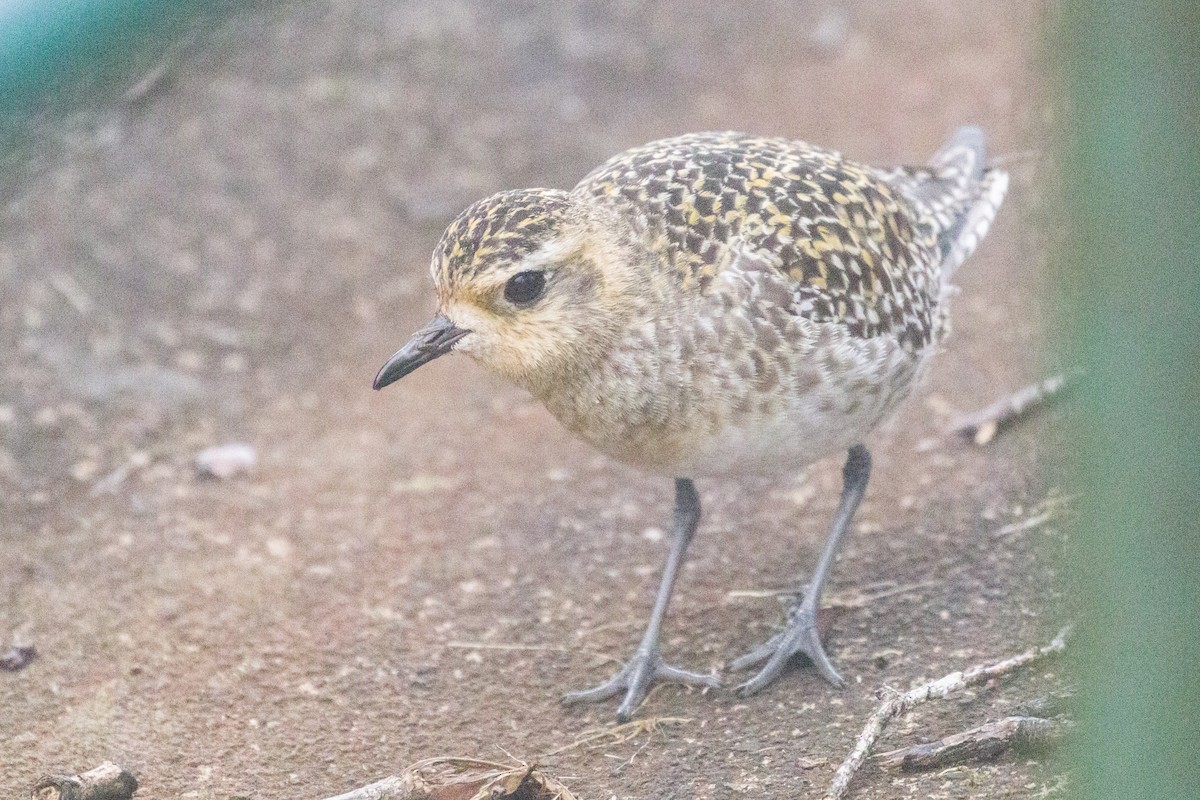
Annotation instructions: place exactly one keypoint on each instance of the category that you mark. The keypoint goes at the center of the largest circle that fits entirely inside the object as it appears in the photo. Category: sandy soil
(233, 256)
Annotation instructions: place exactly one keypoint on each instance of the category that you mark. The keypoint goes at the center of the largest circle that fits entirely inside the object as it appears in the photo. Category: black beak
(435, 339)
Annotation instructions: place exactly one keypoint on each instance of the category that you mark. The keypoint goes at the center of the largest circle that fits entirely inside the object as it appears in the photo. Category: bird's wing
(852, 247)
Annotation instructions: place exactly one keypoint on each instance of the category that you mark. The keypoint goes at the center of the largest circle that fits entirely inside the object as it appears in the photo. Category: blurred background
(215, 227)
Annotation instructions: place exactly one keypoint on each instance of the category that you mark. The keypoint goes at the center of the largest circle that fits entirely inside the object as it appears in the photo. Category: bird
(715, 305)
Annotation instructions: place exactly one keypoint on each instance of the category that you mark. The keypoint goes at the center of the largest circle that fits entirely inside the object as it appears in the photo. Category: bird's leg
(800, 635)
(647, 666)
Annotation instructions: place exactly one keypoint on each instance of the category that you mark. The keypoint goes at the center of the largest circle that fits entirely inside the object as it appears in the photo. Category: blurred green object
(1131, 296)
(59, 58)
(54, 53)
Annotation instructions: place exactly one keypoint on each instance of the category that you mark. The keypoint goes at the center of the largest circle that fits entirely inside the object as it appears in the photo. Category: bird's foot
(635, 679)
(799, 637)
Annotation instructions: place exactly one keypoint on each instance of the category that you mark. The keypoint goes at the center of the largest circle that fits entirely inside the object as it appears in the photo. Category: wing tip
(965, 152)
(977, 221)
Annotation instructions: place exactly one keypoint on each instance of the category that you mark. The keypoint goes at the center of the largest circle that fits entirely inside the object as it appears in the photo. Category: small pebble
(17, 658)
(226, 460)
(832, 31)
(653, 534)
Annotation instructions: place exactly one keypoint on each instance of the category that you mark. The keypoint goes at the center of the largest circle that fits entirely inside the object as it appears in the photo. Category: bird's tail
(959, 193)
(964, 194)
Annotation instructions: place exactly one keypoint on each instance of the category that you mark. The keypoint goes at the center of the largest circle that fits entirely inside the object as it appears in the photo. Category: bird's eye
(525, 287)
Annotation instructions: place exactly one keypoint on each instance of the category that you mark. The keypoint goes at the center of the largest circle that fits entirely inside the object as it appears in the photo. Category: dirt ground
(422, 571)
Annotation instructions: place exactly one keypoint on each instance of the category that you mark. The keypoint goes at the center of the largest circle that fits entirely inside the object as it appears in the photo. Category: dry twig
(865, 600)
(868, 600)
(161, 74)
(982, 426)
(898, 704)
(463, 779)
(618, 734)
(396, 787)
(108, 781)
(984, 743)
(1054, 506)
(535, 648)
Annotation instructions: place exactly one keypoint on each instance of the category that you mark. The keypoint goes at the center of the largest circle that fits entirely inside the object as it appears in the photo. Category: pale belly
(698, 431)
(751, 444)
(769, 446)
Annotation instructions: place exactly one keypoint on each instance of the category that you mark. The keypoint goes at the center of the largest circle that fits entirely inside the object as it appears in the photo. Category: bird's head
(529, 283)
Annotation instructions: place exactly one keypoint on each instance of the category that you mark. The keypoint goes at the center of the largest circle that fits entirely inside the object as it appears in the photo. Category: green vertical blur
(1131, 294)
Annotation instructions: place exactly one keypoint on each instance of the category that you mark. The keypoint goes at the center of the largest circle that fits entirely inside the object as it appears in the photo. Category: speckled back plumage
(862, 247)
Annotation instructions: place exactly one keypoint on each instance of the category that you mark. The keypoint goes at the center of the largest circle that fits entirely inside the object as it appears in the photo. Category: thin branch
(982, 426)
(1023, 525)
(160, 75)
(899, 704)
(465, 778)
(984, 743)
(1054, 506)
(618, 733)
(868, 600)
(108, 781)
(864, 600)
(397, 787)
(537, 648)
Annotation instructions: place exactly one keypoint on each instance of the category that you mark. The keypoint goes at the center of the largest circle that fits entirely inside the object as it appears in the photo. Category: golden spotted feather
(863, 247)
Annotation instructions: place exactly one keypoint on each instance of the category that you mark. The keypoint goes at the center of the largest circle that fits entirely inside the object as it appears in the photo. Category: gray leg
(800, 635)
(646, 666)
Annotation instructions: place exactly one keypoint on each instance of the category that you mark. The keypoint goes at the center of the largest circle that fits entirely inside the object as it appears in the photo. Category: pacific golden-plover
(713, 305)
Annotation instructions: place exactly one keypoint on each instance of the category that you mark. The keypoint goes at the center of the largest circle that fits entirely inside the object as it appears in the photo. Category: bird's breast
(734, 392)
